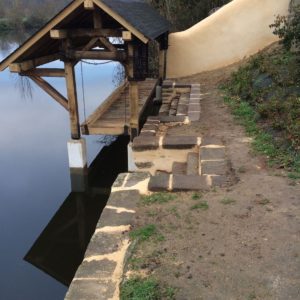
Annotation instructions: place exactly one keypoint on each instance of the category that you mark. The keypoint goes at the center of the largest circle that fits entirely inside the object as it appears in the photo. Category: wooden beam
(50, 90)
(89, 4)
(127, 36)
(96, 54)
(73, 102)
(162, 64)
(33, 63)
(107, 44)
(90, 45)
(97, 18)
(84, 32)
(44, 72)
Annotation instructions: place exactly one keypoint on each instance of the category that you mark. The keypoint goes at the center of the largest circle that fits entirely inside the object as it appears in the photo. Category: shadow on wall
(238, 29)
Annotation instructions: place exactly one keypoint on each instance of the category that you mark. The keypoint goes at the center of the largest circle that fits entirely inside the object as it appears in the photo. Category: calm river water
(35, 186)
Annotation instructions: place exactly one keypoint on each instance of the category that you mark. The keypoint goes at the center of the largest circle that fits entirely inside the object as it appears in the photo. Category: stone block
(120, 180)
(192, 164)
(144, 165)
(179, 142)
(194, 107)
(219, 181)
(150, 127)
(194, 116)
(144, 143)
(182, 109)
(96, 269)
(91, 290)
(136, 178)
(110, 217)
(211, 167)
(127, 199)
(148, 133)
(212, 153)
(159, 183)
(172, 119)
(179, 168)
(189, 183)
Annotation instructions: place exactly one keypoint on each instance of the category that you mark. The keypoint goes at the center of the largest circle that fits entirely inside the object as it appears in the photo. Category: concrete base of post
(131, 165)
(77, 154)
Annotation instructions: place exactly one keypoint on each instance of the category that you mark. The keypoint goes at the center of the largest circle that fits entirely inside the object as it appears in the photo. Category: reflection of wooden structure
(84, 30)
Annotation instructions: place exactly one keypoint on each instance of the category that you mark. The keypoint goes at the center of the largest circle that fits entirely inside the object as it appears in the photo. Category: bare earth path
(246, 245)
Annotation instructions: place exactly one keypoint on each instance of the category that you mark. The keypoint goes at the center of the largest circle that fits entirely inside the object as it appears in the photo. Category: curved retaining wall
(239, 29)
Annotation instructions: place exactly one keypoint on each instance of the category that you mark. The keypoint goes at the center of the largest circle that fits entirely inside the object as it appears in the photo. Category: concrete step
(179, 168)
(192, 164)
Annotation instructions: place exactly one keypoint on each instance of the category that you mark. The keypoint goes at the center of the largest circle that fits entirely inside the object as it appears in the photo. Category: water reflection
(61, 246)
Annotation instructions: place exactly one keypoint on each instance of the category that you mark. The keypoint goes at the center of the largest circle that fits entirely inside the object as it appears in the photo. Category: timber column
(133, 93)
(77, 145)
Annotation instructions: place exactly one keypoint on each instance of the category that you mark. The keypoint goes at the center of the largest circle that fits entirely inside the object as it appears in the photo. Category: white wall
(239, 29)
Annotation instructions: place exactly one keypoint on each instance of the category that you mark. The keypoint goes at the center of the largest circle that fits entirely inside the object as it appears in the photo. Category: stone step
(190, 183)
(192, 164)
(159, 183)
(179, 142)
(179, 168)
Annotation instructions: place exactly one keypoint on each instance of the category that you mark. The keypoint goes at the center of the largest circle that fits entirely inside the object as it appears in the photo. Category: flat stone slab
(124, 198)
(194, 116)
(192, 164)
(212, 153)
(96, 269)
(211, 140)
(150, 127)
(179, 142)
(172, 119)
(120, 180)
(91, 290)
(211, 167)
(148, 132)
(159, 183)
(135, 178)
(189, 183)
(144, 165)
(219, 181)
(110, 217)
(144, 143)
(179, 168)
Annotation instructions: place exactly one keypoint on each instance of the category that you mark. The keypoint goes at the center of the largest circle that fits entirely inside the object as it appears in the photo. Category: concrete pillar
(77, 154)
(131, 165)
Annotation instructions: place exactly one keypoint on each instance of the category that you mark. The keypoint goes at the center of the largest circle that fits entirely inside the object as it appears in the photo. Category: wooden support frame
(44, 72)
(33, 63)
(72, 100)
(50, 90)
(96, 54)
(84, 32)
(162, 64)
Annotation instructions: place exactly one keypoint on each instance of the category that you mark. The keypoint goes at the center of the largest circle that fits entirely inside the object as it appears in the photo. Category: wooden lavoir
(114, 30)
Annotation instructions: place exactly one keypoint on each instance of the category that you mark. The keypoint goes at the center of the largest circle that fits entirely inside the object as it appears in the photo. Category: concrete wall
(239, 29)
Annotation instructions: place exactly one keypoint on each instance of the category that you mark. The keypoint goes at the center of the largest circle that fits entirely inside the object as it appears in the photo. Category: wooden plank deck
(112, 117)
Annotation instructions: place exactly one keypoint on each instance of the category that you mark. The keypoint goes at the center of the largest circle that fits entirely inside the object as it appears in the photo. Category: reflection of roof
(136, 16)
(140, 15)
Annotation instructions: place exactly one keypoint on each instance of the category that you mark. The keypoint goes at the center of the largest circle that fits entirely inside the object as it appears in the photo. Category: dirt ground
(246, 245)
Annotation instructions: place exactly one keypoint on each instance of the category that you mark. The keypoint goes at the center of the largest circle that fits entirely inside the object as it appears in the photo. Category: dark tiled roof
(141, 16)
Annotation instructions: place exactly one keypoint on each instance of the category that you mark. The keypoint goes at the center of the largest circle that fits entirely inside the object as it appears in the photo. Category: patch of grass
(140, 289)
(228, 201)
(196, 196)
(242, 169)
(294, 176)
(203, 205)
(136, 263)
(251, 296)
(144, 233)
(159, 198)
(152, 213)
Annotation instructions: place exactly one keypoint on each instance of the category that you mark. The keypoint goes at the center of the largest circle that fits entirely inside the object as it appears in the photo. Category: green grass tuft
(159, 198)
(203, 205)
(228, 201)
(144, 233)
(196, 196)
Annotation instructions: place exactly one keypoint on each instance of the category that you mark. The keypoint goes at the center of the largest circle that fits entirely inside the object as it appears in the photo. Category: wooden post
(133, 94)
(72, 100)
(162, 64)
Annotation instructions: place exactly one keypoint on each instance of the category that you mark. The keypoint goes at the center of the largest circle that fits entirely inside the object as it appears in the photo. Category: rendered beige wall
(239, 29)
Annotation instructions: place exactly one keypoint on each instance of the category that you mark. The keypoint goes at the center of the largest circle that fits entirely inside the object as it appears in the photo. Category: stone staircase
(182, 163)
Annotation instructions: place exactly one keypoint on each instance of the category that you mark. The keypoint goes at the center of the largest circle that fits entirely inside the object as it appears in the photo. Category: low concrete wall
(239, 29)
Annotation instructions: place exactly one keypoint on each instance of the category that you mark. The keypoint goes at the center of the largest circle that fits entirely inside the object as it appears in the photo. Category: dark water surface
(35, 181)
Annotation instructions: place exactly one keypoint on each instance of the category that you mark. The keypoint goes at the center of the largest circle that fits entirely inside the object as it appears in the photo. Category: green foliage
(288, 28)
(144, 233)
(228, 201)
(159, 198)
(203, 205)
(138, 288)
(196, 196)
